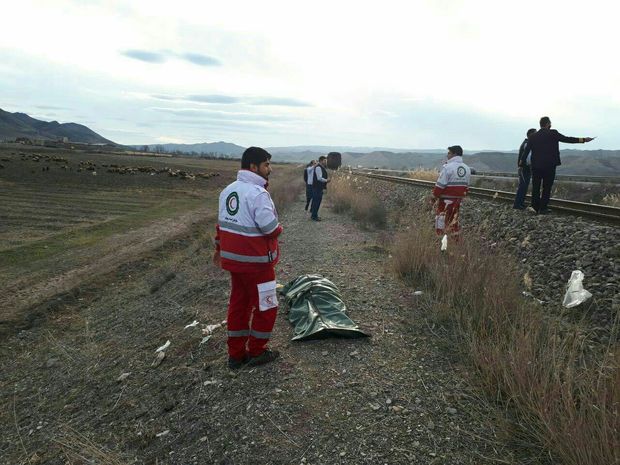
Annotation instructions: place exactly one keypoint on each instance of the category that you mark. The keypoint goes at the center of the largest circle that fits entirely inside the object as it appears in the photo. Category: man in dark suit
(544, 144)
(525, 172)
(319, 184)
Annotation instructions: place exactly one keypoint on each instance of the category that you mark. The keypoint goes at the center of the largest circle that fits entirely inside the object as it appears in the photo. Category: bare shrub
(348, 194)
(285, 185)
(562, 389)
(369, 210)
(412, 257)
(425, 175)
(612, 200)
(341, 194)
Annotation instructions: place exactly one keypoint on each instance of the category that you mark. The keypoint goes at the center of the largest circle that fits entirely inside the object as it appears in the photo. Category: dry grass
(561, 389)
(285, 185)
(425, 175)
(350, 194)
(79, 449)
(612, 200)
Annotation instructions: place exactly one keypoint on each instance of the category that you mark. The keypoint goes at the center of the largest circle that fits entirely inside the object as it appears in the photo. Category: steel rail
(589, 210)
(489, 174)
(558, 177)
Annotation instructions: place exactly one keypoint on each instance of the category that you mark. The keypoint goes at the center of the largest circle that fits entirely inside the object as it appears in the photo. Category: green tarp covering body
(317, 310)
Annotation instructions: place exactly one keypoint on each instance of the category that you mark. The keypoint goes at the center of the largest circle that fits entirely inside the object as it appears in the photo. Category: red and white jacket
(453, 181)
(248, 226)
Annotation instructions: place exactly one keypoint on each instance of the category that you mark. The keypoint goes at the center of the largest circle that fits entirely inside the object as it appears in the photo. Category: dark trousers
(546, 177)
(308, 195)
(525, 173)
(317, 197)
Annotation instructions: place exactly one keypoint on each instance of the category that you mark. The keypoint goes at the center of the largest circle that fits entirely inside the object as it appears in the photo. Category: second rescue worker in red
(246, 245)
(450, 189)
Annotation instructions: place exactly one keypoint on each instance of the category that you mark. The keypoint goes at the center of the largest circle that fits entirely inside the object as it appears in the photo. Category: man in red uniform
(246, 245)
(450, 189)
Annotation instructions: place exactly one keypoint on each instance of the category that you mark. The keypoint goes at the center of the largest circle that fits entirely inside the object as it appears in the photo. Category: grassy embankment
(559, 389)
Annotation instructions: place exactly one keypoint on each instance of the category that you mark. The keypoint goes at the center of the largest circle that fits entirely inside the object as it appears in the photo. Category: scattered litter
(496, 195)
(163, 433)
(527, 280)
(277, 390)
(210, 382)
(192, 324)
(164, 347)
(354, 353)
(444, 243)
(526, 241)
(418, 293)
(210, 328)
(123, 377)
(531, 296)
(204, 339)
(158, 359)
(324, 353)
(575, 293)
(279, 286)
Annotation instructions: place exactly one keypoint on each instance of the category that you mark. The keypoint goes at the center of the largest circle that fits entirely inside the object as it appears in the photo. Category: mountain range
(581, 162)
(16, 125)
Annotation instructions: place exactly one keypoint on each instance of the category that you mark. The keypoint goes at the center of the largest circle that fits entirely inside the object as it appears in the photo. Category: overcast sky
(407, 74)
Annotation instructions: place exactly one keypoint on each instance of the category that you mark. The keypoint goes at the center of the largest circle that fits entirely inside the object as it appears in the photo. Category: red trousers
(247, 337)
(450, 222)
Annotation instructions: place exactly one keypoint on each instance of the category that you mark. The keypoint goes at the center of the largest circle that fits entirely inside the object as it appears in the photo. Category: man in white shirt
(319, 184)
(308, 173)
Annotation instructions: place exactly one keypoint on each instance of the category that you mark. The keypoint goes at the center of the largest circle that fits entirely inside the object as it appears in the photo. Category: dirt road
(81, 386)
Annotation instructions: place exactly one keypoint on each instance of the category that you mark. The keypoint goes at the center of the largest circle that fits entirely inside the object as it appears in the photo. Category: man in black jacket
(319, 184)
(545, 158)
(308, 172)
(525, 172)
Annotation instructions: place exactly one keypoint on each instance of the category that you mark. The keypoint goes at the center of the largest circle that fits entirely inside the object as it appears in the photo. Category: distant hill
(14, 125)
(220, 148)
(324, 149)
(586, 162)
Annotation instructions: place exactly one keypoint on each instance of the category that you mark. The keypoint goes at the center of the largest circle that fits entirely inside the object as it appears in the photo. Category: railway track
(583, 209)
(559, 177)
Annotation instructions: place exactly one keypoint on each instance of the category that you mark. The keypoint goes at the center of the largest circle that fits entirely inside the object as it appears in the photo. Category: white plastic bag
(444, 243)
(575, 293)
(440, 222)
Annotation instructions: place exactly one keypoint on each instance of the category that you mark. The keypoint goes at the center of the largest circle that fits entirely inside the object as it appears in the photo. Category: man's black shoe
(235, 364)
(316, 219)
(519, 207)
(544, 211)
(265, 357)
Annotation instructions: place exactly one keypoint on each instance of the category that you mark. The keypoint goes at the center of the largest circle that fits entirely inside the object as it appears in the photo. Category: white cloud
(353, 62)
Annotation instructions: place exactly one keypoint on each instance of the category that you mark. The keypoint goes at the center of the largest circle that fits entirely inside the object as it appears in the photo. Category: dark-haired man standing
(525, 171)
(319, 184)
(545, 147)
(308, 171)
(246, 245)
(449, 191)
